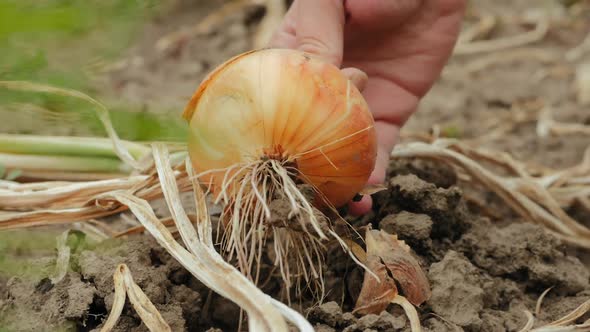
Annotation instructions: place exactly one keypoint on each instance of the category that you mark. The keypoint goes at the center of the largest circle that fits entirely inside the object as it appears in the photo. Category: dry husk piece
(391, 260)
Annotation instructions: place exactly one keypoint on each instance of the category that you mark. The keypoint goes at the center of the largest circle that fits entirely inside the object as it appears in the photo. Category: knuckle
(315, 46)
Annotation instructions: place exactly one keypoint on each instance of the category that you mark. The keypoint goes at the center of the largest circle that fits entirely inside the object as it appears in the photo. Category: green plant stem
(66, 146)
(63, 163)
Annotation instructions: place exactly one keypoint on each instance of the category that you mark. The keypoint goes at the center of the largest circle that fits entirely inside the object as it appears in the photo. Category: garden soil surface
(486, 266)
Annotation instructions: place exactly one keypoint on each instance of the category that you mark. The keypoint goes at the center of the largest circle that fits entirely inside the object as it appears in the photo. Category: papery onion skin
(283, 104)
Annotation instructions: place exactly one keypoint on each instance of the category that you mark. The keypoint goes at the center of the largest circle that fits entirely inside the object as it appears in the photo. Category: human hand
(402, 47)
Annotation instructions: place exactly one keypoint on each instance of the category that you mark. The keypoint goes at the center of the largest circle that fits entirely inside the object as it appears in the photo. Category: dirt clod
(412, 194)
(324, 328)
(526, 252)
(414, 228)
(382, 322)
(68, 300)
(496, 320)
(438, 325)
(457, 294)
(440, 175)
(328, 313)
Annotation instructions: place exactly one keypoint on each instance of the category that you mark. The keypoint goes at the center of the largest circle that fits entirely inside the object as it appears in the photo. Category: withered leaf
(389, 257)
(372, 189)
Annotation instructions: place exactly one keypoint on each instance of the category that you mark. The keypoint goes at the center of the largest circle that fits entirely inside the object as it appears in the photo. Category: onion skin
(286, 105)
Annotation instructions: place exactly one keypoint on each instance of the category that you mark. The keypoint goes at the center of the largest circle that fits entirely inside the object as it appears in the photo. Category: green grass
(55, 41)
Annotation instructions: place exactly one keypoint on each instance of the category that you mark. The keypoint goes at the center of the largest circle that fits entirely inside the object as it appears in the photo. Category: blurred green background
(66, 43)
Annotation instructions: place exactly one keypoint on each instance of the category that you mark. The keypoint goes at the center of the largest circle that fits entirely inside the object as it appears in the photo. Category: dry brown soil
(484, 271)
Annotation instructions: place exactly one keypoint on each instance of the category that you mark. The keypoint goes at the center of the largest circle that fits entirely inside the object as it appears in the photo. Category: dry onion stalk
(264, 123)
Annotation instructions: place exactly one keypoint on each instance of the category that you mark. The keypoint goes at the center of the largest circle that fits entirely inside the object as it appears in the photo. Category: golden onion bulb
(289, 106)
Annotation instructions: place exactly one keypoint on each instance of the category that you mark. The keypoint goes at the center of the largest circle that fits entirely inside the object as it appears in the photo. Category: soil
(483, 276)
(484, 271)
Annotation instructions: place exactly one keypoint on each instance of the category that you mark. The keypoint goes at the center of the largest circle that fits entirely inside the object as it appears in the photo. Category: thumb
(320, 27)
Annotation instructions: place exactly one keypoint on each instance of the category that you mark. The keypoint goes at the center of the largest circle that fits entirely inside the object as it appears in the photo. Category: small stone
(348, 318)
(324, 328)
(382, 322)
(388, 322)
(328, 313)
(367, 321)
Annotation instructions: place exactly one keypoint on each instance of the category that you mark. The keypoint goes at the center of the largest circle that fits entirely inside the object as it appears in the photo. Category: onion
(289, 106)
(267, 120)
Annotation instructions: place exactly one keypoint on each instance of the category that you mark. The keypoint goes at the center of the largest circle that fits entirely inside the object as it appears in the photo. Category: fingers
(357, 76)
(313, 26)
(284, 36)
(320, 28)
(381, 14)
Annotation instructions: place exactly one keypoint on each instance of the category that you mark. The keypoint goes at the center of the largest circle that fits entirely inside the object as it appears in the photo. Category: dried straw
(126, 286)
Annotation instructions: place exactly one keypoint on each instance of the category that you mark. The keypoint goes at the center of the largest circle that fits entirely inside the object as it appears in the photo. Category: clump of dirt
(154, 271)
(83, 299)
(329, 317)
(527, 253)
